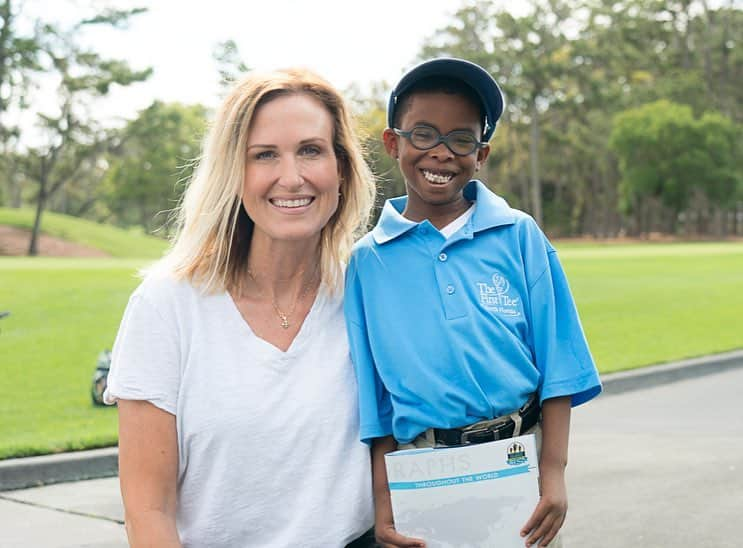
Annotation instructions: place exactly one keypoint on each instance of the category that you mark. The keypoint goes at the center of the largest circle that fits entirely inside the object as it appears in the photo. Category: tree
(229, 63)
(19, 59)
(156, 152)
(528, 53)
(667, 155)
(567, 72)
(73, 140)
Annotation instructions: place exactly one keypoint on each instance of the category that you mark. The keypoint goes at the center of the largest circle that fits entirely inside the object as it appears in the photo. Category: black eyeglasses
(460, 142)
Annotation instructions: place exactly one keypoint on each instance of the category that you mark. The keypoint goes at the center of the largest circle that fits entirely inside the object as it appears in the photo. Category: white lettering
(497, 299)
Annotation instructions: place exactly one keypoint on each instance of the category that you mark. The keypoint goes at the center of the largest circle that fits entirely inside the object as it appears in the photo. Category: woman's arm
(148, 471)
(549, 514)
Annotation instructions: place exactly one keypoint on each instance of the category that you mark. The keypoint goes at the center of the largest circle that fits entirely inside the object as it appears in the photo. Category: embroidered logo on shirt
(496, 297)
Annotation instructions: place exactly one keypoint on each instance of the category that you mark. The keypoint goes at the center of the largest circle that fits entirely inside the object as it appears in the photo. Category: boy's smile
(435, 178)
(438, 177)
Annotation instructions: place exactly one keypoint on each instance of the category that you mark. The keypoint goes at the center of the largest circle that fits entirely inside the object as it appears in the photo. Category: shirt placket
(450, 288)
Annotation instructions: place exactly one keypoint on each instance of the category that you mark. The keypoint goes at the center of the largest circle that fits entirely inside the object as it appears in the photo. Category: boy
(461, 322)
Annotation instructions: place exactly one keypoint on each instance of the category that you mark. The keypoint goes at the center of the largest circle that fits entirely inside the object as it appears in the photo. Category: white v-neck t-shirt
(268, 441)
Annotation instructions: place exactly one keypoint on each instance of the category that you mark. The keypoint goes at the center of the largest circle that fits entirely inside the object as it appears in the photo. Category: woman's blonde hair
(212, 240)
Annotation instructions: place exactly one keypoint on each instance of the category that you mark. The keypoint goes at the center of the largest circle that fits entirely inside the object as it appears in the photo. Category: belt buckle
(466, 434)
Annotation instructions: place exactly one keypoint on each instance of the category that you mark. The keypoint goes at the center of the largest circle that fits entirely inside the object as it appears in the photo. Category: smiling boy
(459, 314)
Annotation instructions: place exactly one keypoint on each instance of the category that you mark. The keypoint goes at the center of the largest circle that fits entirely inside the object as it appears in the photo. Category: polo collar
(391, 222)
(491, 211)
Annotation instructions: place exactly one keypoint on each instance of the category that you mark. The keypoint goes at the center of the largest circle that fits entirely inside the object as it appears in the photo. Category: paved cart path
(659, 467)
(656, 467)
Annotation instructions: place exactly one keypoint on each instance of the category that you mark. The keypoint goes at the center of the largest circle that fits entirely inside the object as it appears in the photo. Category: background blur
(623, 117)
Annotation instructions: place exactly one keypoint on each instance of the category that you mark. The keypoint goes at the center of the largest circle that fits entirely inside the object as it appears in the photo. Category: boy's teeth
(435, 178)
(292, 203)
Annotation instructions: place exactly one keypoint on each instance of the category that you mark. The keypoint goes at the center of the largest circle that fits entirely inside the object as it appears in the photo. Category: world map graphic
(459, 524)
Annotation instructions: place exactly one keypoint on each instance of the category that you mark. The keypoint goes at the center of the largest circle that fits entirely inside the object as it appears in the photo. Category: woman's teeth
(300, 202)
(437, 178)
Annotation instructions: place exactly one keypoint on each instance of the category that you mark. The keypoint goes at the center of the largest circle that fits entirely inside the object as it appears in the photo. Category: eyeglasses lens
(460, 142)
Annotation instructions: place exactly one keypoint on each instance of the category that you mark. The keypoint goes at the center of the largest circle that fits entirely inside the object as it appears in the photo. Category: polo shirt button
(442, 257)
(450, 289)
(424, 230)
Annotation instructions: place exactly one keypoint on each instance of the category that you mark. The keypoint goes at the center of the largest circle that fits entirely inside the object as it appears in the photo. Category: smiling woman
(232, 362)
(292, 179)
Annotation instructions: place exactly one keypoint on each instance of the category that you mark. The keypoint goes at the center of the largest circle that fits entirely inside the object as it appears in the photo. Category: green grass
(114, 241)
(63, 313)
(649, 303)
(640, 304)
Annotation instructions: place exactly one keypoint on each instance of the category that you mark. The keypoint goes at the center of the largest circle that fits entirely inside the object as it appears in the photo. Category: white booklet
(469, 496)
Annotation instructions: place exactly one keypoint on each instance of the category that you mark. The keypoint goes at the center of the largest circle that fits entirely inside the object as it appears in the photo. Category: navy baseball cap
(471, 74)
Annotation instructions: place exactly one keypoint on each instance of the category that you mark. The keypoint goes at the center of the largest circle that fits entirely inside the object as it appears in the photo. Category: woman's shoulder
(165, 291)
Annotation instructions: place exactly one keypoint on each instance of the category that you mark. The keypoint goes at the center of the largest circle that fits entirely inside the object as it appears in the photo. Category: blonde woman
(238, 422)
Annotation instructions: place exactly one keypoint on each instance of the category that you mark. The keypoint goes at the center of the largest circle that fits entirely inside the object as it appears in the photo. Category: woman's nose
(290, 176)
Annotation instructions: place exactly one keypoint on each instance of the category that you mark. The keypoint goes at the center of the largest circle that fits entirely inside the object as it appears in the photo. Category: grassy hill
(116, 242)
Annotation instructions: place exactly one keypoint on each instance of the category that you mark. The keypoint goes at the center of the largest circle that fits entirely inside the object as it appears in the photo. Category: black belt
(490, 430)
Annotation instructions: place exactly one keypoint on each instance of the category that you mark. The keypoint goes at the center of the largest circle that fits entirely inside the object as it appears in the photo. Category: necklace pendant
(284, 321)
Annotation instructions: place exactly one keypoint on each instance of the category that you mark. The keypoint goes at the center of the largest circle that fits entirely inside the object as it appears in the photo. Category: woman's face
(291, 175)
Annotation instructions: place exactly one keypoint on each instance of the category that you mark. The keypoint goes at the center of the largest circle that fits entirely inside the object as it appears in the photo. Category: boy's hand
(549, 515)
(388, 537)
(384, 528)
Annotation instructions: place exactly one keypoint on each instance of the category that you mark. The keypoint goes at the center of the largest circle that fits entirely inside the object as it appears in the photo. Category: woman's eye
(310, 150)
(265, 155)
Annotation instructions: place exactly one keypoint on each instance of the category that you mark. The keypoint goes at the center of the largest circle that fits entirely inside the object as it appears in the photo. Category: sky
(345, 41)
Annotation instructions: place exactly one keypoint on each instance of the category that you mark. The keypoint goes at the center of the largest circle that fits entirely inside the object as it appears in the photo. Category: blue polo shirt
(445, 333)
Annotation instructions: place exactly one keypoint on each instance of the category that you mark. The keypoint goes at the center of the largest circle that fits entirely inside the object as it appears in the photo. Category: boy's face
(435, 178)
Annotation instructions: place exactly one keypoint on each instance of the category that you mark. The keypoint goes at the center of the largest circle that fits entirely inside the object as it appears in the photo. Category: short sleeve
(375, 407)
(145, 362)
(560, 347)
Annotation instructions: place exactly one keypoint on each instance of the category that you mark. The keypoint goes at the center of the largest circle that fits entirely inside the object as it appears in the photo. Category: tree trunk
(729, 106)
(33, 245)
(707, 33)
(673, 222)
(16, 197)
(44, 170)
(85, 207)
(536, 190)
(718, 222)
(644, 218)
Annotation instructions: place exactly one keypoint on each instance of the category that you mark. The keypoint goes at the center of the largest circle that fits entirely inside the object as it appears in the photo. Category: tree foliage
(567, 68)
(622, 116)
(19, 58)
(230, 64)
(72, 139)
(155, 155)
(667, 154)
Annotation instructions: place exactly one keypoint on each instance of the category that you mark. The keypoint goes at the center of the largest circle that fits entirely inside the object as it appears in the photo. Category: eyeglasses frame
(441, 139)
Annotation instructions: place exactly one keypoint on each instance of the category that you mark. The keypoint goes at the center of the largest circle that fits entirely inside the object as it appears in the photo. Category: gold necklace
(283, 316)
